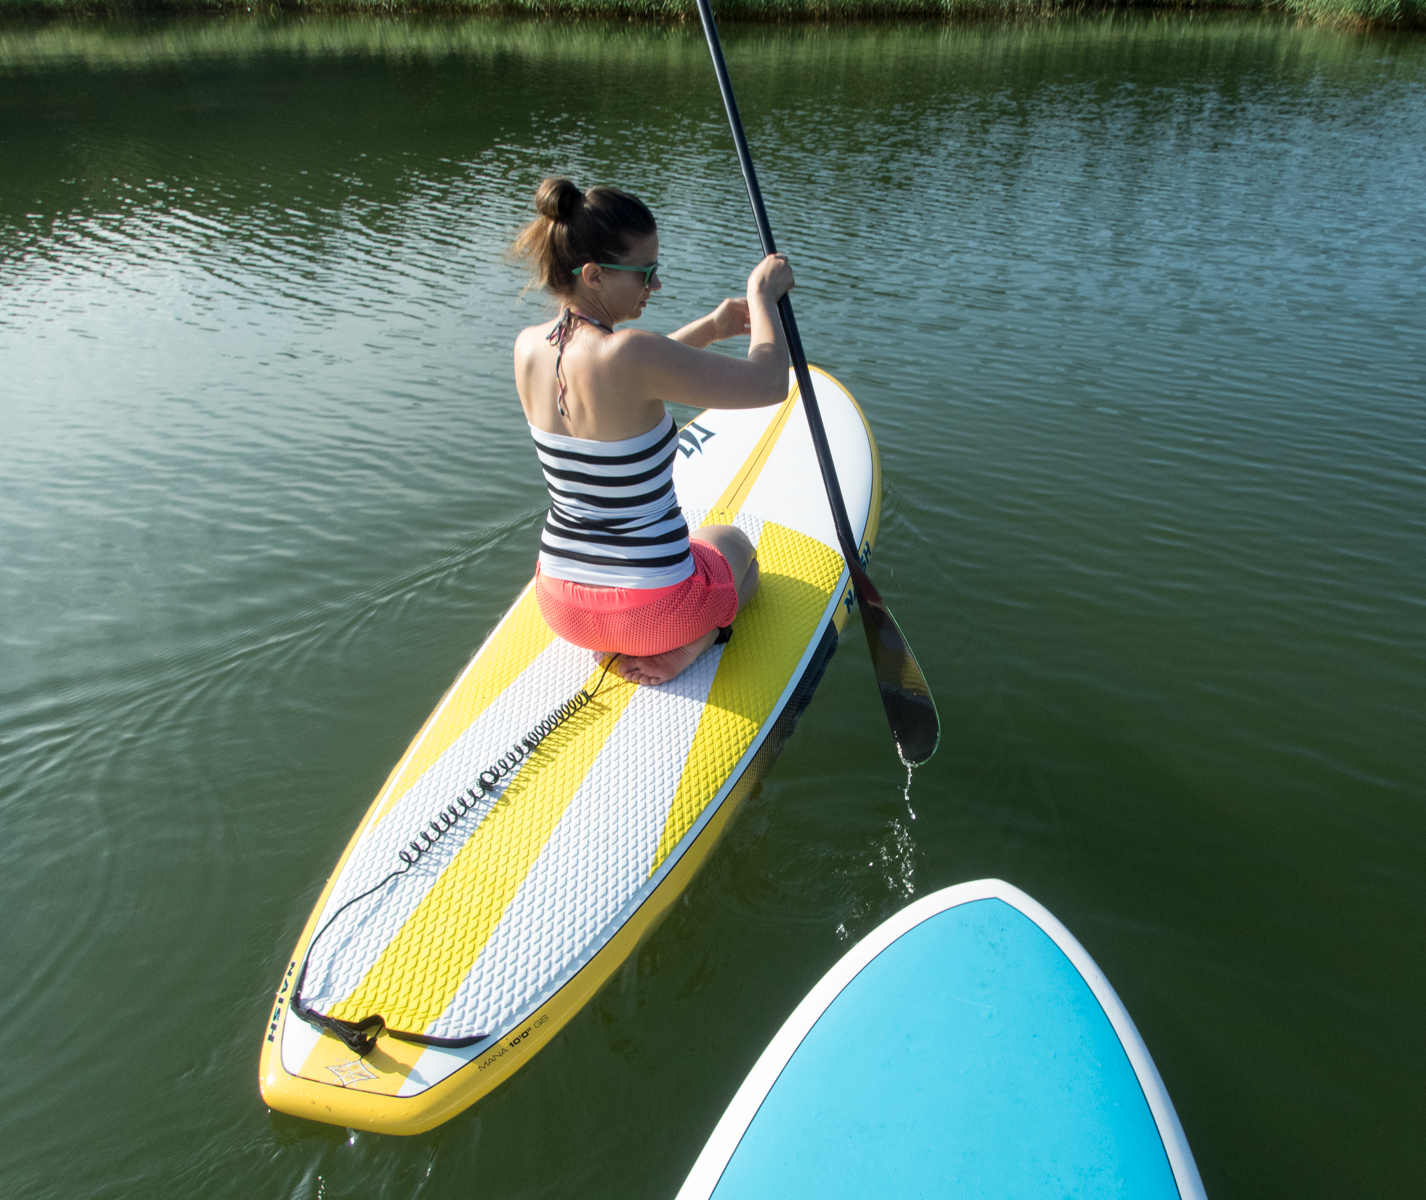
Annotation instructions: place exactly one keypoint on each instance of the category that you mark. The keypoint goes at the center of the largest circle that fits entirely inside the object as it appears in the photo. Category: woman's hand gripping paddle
(909, 705)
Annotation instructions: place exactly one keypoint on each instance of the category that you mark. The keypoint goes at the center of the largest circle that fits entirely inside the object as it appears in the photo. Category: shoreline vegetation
(1358, 14)
(675, 48)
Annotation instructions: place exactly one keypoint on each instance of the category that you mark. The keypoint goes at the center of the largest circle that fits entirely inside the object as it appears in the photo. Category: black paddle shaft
(910, 708)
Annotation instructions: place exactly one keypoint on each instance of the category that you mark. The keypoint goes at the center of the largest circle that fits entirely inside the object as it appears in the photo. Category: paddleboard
(547, 814)
(967, 1047)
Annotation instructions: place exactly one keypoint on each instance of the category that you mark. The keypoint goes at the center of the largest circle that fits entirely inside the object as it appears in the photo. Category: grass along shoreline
(676, 48)
(1383, 14)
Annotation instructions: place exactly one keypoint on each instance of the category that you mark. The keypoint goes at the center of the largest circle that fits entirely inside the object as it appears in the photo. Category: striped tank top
(614, 519)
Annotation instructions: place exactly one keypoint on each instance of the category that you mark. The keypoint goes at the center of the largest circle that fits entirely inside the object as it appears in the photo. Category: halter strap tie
(558, 337)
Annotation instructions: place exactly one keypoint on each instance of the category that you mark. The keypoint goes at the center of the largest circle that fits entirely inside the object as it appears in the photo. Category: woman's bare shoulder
(634, 345)
(532, 337)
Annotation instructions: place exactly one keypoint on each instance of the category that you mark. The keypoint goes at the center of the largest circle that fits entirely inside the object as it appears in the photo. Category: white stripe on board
(344, 954)
(596, 859)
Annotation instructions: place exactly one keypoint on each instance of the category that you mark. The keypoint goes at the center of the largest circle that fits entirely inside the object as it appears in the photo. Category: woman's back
(595, 394)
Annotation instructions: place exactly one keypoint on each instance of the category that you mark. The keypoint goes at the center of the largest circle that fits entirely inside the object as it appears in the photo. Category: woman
(618, 571)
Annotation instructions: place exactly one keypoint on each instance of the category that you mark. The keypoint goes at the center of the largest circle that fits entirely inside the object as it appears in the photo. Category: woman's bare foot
(732, 543)
(660, 668)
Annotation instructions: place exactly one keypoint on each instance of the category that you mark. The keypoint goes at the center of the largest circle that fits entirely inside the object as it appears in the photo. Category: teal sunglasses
(647, 269)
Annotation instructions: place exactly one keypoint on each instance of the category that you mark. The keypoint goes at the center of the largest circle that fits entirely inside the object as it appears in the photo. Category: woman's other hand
(771, 278)
(730, 319)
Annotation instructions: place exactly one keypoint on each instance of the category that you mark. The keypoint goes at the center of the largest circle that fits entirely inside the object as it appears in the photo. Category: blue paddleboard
(967, 1047)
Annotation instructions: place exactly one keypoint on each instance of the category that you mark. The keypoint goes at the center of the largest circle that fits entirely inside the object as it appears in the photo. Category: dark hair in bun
(558, 199)
(575, 228)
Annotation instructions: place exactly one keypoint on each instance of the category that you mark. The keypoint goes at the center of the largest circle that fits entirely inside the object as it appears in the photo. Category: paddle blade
(910, 707)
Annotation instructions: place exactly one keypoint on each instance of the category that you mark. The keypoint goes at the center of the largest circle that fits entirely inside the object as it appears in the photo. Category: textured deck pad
(510, 903)
(515, 898)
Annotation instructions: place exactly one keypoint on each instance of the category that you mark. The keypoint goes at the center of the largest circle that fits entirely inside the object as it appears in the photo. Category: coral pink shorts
(642, 621)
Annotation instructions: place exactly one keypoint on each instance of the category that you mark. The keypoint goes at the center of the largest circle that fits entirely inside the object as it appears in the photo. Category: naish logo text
(513, 1042)
(864, 559)
(277, 1004)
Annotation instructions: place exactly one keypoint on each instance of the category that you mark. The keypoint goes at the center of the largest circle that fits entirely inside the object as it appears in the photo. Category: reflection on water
(1134, 307)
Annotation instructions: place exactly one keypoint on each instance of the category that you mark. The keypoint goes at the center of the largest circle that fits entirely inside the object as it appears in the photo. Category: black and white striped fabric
(614, 519)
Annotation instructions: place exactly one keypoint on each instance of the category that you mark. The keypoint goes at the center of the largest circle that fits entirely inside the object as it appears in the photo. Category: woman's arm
(729, 319)
(770, 281)
(669, 369)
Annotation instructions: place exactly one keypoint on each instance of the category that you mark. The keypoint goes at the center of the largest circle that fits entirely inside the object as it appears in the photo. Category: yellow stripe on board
(416, 976)
(516, 644)
(769, 637)
(737, 491)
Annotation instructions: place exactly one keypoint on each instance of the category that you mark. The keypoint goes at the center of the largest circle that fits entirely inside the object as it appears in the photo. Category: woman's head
(575, 228)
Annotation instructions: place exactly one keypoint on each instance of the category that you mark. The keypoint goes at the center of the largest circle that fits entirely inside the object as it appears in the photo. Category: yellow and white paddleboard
(542, 882)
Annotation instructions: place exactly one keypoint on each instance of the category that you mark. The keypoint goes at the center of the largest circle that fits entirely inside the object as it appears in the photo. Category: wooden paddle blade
(910, 707)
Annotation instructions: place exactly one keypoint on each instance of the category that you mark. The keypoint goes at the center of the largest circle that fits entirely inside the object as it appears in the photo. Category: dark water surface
(1136, 310)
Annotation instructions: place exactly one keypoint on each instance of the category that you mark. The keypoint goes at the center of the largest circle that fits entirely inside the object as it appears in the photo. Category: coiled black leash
(361, 1035)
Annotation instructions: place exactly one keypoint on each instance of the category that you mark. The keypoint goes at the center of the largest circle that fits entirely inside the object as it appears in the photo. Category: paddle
(909, 706)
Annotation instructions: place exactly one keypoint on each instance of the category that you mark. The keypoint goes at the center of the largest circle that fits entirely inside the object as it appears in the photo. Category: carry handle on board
(910, 707)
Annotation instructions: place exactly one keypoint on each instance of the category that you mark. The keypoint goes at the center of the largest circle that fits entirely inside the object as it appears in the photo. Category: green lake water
(1136, 310)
